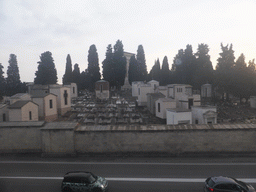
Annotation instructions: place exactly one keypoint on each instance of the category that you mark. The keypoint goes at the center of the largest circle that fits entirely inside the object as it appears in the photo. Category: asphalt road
(125, 174)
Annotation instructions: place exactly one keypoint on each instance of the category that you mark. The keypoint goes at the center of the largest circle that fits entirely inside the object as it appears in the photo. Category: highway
(124, 174)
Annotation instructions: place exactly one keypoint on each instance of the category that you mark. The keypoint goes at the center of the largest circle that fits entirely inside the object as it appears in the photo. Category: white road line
(176, 180)
(125, 163)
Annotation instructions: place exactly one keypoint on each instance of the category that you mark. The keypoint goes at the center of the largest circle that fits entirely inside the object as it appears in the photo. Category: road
(126, 175)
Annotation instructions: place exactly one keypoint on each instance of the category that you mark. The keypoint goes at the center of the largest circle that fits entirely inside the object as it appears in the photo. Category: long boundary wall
(172, 142)
(20, 137)
(67, 138)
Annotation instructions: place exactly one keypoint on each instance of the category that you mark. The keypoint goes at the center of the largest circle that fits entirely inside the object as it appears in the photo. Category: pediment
(210, 114)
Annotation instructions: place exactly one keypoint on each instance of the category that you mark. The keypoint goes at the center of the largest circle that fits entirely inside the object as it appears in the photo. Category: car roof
(78, 174)
(221, 179)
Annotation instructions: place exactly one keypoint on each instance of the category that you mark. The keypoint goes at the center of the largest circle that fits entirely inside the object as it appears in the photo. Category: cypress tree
(189, 66)
(13, 76)
(165, 72)
(2, 81)
(85, 80)
(67, 77)
(142, 67)
(155, 71)
(76, 76)
(119, 64)
(133, 73)
(177, 67)
(93, 65)
(46, 73)
(107, 66)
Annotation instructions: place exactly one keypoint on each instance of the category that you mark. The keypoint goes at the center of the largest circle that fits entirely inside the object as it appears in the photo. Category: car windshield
(91, 178)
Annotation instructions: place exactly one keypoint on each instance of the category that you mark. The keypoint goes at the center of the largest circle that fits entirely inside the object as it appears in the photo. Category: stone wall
(72, 138)
(173, 142)
(20, 137)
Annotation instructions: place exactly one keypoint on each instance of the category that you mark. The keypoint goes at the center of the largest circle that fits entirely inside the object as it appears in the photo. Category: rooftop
(179, 110)
(18, 95)
(20, 104)
(40, 95)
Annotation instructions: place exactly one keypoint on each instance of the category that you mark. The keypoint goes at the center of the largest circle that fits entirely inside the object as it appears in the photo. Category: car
(83, 182)
(226, 184)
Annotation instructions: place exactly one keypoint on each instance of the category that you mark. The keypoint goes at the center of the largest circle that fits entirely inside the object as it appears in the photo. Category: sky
(29, 28)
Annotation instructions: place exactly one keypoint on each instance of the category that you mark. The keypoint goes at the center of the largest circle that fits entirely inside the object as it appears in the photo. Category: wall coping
(95, 128)
(60, 126)
(22, 124)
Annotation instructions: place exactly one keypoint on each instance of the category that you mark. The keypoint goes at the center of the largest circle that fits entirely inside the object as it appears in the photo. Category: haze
(29, 28)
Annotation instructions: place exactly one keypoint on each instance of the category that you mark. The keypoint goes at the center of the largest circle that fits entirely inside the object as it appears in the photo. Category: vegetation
(93, 66)
(67, 77)
(231, 76)
(13, 83)
(46, 73)
(2, 82)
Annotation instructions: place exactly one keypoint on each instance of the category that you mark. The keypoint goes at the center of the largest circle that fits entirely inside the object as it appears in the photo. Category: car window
(223, 186)
(85, 180)
(91, 179)
(235, 187)
(211, 183)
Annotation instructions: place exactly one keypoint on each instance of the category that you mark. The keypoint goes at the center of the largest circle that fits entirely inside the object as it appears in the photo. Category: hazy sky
(30, 27)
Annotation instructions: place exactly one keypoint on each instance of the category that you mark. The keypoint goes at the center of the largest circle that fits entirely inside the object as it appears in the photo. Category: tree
(155, 72)
(189, 65)
(141, 62)
(93, 65)
(107, 66)
(204, 70)
(85, 80)
(67, 77)
(76, 76)
(119, 64)
(165, 72)
(46, 73)
(241, 79)
(251, 72)
(13, 82)
(133, 73)
(177, 67)
(224, 70)
(2, 82)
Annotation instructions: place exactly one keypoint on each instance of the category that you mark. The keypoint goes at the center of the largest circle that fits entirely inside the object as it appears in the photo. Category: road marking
(176, 180)
(125, 163)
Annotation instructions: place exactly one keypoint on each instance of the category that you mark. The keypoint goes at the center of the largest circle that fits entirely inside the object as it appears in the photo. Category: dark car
(83, 181)
(226, 184)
